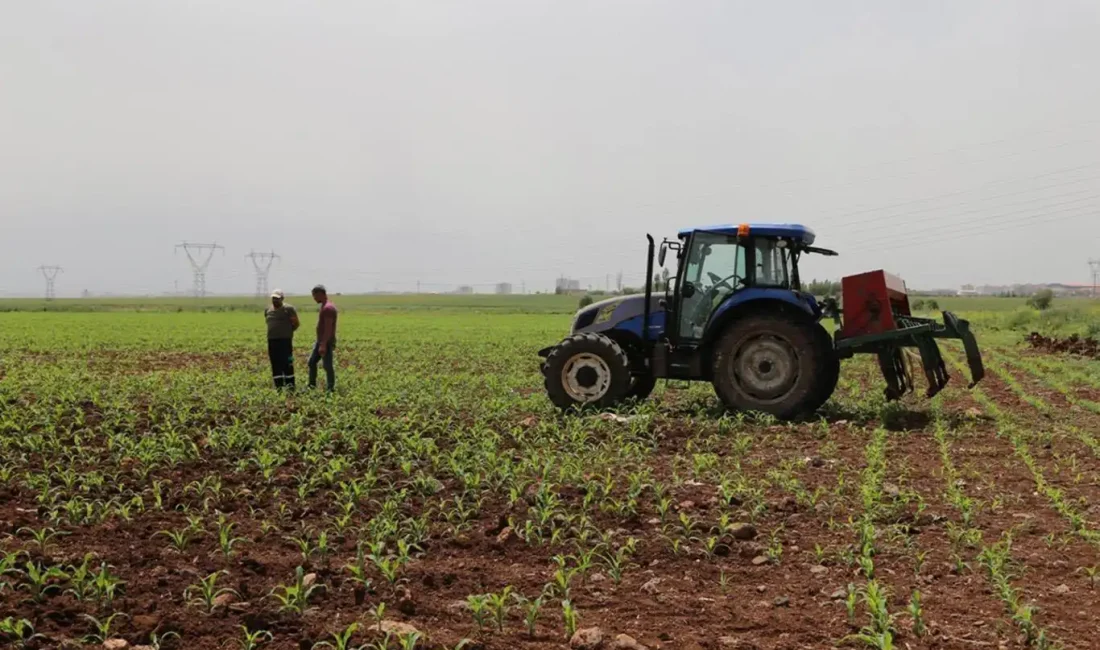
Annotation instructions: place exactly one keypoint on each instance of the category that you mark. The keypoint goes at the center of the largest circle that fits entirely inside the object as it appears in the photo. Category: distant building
(504, 288)
(1059, 289)
(566, 285)
(464, 290)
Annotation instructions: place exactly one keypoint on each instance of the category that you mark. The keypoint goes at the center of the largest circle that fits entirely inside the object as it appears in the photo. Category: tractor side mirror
(661, 255)
(688, 290)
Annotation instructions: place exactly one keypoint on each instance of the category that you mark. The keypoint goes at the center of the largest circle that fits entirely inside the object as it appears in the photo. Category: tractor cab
(717, 263)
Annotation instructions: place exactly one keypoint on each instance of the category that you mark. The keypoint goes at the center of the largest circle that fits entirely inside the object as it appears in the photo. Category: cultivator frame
(877, 319)
(919, 333)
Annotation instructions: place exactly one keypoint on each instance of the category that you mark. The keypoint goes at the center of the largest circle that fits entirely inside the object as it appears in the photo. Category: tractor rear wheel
(768, 364)
(829, 364)
(586, 370)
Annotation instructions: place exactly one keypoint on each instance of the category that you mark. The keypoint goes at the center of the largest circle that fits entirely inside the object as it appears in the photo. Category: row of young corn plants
(1061, 380)
(874, 593)
(996, 559)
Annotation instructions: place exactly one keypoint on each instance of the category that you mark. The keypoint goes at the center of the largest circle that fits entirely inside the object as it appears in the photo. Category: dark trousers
(281, 353)
(330, 369)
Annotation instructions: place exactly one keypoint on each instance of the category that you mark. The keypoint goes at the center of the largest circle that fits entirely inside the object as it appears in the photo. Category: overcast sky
(373, 144)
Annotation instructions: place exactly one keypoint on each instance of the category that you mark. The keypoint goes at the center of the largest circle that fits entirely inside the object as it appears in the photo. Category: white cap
(278, 293)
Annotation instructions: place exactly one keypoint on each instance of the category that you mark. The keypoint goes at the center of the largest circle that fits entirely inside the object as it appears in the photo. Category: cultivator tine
(961, 330)
(896, 372)
(934, 369)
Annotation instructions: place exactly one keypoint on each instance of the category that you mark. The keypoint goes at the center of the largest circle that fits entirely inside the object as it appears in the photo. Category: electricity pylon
(262, 263)
(199, 263)
(50, 273)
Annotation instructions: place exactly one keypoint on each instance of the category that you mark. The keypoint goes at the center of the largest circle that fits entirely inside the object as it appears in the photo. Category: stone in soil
(625, 642)
(587, 639)
(760, 560)
(116, 644)
(395, 628)
(743, 532)
(651, 587)
(225, 600)
(505, 536)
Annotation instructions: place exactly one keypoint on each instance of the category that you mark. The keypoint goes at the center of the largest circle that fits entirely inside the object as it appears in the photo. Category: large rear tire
(829, 363)
(586, 370)
(767, 364)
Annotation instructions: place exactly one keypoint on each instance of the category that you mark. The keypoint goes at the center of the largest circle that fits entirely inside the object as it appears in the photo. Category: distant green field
(1067, 316)
(537, 303)
(519, 304)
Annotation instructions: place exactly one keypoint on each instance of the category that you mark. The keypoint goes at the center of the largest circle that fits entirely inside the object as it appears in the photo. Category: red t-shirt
(326, 323)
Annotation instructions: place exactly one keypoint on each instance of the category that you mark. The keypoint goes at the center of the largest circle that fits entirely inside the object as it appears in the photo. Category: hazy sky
(372, 144)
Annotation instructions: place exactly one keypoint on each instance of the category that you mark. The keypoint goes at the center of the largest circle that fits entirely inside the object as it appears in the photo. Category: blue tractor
(734, 314)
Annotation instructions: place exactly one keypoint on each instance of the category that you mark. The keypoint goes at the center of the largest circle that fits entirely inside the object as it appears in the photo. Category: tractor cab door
(714, 267)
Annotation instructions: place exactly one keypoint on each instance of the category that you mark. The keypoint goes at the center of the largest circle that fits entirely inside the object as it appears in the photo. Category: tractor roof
(789, 230)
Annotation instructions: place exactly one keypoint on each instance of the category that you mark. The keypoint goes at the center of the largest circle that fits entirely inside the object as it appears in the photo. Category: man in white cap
(282, 321)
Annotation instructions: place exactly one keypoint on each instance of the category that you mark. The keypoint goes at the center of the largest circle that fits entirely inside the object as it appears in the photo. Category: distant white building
(504, 288)
(566, 285)
(967, 290)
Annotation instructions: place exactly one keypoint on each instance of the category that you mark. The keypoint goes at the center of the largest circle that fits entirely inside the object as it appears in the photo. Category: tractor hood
(616, 312)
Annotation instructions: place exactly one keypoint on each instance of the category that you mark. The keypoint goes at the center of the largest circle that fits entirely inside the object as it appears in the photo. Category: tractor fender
(753, 302)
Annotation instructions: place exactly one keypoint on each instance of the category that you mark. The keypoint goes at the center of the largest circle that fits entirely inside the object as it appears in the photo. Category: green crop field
(155, 488)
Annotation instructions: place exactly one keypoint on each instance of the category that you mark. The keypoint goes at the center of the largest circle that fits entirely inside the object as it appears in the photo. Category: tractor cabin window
(773, 263)
(715, 268)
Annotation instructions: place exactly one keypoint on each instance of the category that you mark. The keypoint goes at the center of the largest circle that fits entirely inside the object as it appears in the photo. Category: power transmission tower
(199, 262)
(1094, 266)
(50, 273)
(262, 263)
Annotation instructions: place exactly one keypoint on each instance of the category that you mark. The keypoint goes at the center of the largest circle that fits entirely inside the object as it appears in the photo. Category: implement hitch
(877, 320)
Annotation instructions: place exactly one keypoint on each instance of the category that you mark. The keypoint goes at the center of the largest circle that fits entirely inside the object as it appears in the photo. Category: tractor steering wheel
(701, 312)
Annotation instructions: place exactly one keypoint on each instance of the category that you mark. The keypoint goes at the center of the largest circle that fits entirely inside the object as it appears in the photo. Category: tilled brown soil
(743, 595)
(1075, 344)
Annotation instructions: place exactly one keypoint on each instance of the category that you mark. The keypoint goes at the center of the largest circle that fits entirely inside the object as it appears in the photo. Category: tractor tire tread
(800, 399)
(610, 351)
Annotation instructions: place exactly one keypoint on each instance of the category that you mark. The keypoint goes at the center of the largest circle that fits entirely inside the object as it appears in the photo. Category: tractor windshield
(773, 263)
(715, 268)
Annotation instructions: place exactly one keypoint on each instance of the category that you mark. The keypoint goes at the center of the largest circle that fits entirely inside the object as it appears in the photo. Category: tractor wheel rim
(586, 377)
(765, 367)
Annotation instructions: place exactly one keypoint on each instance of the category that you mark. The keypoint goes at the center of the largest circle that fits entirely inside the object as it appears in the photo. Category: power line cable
(1046, 217)
(993, 217)
(877, 216)
(902, 220)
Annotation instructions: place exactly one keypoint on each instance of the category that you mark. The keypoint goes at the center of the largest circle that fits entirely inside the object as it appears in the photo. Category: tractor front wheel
(586, 370)
(770, 365)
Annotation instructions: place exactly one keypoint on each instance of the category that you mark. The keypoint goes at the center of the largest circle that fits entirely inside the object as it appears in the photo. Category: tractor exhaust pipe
(648, 296)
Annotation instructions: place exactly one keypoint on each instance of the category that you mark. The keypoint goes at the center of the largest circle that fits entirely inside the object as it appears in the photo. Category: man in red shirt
(326, 340)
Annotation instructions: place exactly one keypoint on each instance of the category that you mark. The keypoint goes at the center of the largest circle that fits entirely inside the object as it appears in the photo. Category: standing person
(282, 321)
(326, 340)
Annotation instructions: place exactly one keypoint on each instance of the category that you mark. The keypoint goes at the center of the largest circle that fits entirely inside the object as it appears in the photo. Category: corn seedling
(206, 592)
(295, 597)
(254, 639)
(102, 629)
